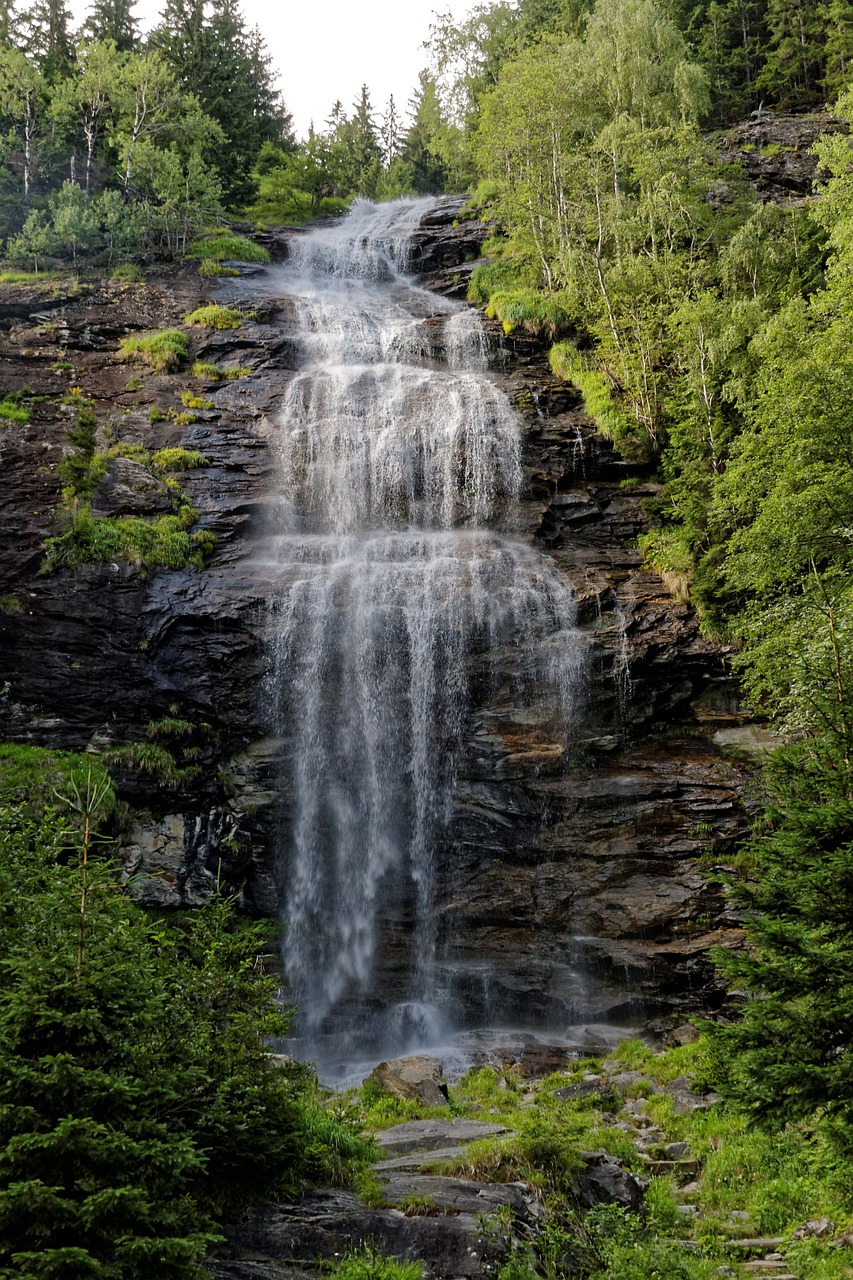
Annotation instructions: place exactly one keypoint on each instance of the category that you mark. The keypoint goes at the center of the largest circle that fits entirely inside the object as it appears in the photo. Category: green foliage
(165, 351)
(209, 269)
(193, 400)
(164, 542)
(214, 316)
(369, 1264)
(175, 458)
(32, 778)
(218, 246)
(127, 273)
(543, 314)
(12, 412)
(215, 373)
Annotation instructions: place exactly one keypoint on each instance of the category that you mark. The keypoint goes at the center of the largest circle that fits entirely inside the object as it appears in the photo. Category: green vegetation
(216, 317)
(164, 542)
(132, 1050)
(369, 1264)
(216, 247)
(214, 373)
(13, 413)
(165, 351)
(177, 459)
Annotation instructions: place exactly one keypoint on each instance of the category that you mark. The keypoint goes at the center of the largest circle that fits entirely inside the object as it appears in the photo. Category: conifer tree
(113, 20)
(47, 35)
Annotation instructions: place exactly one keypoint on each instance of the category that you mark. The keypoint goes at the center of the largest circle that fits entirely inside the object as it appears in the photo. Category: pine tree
(47, 34)
(789, 1055)
(94, 1176)
(426, 170)
(8, 23)
(113, 20)
(390, 133)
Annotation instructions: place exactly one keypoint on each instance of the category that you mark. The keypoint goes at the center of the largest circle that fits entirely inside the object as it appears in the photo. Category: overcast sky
(326, 49)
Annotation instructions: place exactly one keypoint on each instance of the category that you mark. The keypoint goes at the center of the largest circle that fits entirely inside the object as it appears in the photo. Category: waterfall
(396, 572)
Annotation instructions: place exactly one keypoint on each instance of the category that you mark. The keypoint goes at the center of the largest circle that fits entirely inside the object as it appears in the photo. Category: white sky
(326, 49)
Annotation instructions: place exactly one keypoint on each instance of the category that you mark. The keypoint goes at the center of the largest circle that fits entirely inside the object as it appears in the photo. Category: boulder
(604, 1181)
(129, 489)
(419, 1077)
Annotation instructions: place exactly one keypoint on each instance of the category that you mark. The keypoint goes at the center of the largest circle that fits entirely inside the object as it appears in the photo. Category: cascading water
(395, 574)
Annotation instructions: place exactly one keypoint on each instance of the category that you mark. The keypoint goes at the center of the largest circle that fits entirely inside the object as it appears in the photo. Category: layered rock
(573, 884)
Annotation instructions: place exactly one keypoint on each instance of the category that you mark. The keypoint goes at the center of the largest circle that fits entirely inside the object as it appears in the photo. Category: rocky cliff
(579, 886)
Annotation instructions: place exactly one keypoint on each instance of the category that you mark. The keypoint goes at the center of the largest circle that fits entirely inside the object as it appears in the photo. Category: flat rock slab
(432, 1135)
(459, 1195)
(416, 1160)
(325, 1224)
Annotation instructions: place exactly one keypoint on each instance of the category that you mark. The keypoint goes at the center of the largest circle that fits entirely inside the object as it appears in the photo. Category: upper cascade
(394, 575)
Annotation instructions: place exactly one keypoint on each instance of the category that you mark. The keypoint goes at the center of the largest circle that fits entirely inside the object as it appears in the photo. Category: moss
(546, 315)
(165, 351)
(215, 317)
(221, 245)
(10, 605)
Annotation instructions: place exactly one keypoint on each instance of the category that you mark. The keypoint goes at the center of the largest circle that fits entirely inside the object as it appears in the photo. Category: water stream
(397, 570)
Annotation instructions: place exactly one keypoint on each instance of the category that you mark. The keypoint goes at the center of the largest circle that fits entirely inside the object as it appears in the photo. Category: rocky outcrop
(776, 151)
(418, 1078)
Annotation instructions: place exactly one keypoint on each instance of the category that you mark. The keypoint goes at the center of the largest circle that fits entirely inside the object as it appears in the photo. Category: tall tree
(113, 20)
(47, 28)
(425, 168)
(22, 104)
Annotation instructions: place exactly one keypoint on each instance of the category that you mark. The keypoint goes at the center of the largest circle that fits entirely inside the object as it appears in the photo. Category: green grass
(215, 317)
(369, 1264)
(221, 245)
(127, 273)
(162, 543)
(213, 372)
(12, 413)
(165, 351)
(545, 315)
(208, 270)
(38, 778)
(177, 459)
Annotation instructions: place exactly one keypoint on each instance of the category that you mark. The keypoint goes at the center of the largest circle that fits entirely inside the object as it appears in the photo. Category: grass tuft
(165, 351)
(215, 317)
(221, 245)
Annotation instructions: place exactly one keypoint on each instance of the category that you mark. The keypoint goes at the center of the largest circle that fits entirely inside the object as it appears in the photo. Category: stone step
(756, 1242)
(431, 1135)
(687, 1168)
(764, 1266)
(416, 1160)
(458, 1195)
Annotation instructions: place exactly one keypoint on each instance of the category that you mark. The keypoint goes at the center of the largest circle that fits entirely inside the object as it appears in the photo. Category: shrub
(194, 401)
(215, 317)
(163, 543)
(217, 247)
(164, 351)
(547, 315)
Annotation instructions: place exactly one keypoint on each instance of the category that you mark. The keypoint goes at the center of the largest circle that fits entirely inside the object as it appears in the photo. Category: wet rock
(418, 1077)
(460, 1195)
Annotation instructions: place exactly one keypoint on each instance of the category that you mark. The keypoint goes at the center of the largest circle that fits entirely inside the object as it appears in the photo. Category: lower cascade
(401, 604)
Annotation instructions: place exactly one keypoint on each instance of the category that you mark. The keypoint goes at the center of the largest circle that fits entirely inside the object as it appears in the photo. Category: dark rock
(461, 1195)
(129, 489)
(432, 1135)
(604, 1181)
(325, 1224)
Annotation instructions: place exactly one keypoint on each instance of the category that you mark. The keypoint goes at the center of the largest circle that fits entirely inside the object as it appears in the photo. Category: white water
(398, 574)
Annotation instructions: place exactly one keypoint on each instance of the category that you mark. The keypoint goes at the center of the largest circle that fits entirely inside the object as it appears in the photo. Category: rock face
(567, 894)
